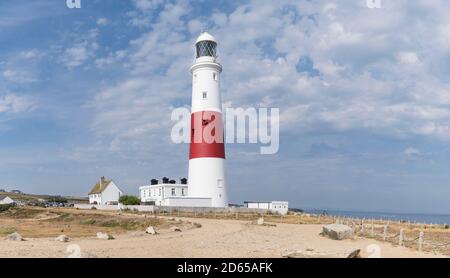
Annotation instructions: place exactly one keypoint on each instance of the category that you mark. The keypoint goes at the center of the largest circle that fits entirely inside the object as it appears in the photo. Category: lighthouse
(207, 150)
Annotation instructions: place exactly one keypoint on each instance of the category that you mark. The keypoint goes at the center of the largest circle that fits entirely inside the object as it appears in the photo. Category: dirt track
(216, 238)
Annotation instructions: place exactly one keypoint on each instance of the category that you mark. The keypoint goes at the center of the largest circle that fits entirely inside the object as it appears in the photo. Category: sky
(363, 93)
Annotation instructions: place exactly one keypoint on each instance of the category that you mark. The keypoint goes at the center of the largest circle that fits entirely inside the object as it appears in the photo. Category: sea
(393, 216)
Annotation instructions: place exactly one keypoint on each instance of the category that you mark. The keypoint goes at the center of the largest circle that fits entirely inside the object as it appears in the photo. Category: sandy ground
(216, 238)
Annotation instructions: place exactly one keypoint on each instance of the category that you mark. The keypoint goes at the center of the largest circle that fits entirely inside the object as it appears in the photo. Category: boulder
(338, 231)
(62, 238)
(355, 254)
(260, 221)
(106, 236)
(175, 229)
(151, 230)
(197, 225)
(14, 237)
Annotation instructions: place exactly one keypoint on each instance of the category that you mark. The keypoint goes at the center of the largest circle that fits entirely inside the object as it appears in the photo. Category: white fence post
(372, 229)
(420, 241)
(385, 233)
(400, 238)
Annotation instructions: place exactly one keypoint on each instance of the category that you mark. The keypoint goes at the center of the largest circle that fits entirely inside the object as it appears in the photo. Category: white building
(169, 193)
(280, 207)
(105, 192)
(5, 200)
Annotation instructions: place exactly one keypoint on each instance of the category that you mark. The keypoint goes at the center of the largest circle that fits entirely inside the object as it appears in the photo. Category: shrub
(129, 200)
(5, 207)
(446, 227)
(57, 199)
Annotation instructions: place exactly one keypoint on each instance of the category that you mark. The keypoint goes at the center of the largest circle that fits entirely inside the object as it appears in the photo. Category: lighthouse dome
(205, 36)
(206, 45)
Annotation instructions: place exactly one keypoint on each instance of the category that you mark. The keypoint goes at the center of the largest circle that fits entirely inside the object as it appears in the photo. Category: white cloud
(30, 54)
(410, 151)
(408, 58)
(83, 49)
(111, 58)
(103, 21)
(75, 56)
(18, 76)
(12, 103)
(371, 79)
(147, 4)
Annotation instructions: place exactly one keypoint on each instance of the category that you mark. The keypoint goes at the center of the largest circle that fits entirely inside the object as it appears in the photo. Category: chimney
(102, 181)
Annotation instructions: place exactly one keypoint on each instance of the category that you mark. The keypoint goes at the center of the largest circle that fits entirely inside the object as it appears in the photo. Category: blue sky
(363, 93)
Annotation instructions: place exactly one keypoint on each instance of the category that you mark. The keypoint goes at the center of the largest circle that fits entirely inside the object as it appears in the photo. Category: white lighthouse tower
(207, 157)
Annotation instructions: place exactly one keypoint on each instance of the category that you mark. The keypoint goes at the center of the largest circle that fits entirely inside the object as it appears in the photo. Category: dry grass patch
(51, 222)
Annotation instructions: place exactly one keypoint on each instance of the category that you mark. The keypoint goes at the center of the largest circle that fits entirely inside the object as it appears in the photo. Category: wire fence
(421, 237)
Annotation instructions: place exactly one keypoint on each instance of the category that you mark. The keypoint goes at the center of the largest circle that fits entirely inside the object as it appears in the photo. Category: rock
(260, 221)
(106, 236)
(306, 255)
(175, 229)
(197, 225)
(338, 231)
(151, 230)
(14, 237)
(89, 255)
(355, 254)
(171, 219)
(62, 238)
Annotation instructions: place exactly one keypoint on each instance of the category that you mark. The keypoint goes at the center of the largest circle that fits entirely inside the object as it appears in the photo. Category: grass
(32, 197)
(51, 222)
(4, 231)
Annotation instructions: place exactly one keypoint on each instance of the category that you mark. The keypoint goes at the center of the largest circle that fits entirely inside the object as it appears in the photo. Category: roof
(100, 186)
(4, 197)
(266, 202)
(163, 185)
(205, 36)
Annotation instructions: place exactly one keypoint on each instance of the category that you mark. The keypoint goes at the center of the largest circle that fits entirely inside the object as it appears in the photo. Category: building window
(182, 191)
(173, 191)
(205, 95)
(215, 76)
(220, 183)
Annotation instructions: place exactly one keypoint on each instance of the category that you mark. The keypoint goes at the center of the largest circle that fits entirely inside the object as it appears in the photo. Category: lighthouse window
(215, 76)
(205, 95)
(173, 191)
(206, 48)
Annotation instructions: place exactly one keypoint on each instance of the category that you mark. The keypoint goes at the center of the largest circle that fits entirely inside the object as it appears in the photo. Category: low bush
(129, 200)
(5, 207)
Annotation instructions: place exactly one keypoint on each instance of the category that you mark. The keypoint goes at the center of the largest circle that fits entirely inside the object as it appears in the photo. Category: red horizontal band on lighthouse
(207, 135)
